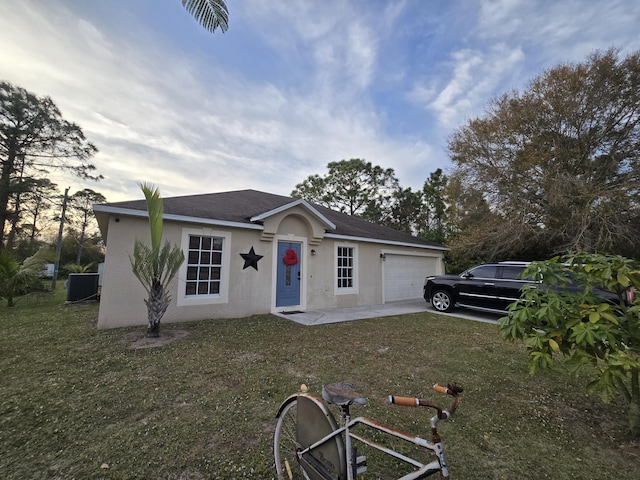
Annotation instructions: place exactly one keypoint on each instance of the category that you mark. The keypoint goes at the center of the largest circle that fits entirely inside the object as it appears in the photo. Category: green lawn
(81, 403)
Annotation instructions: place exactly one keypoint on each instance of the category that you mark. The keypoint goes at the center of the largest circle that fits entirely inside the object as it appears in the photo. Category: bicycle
(308, 443)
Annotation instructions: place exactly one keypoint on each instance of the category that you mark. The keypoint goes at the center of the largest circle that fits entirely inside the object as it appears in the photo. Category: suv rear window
(484, 271)
(512, 272)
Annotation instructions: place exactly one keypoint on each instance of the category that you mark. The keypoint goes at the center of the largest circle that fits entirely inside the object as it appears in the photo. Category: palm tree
(15, 276)
(75, 268)
(156, 265)
(211, 14)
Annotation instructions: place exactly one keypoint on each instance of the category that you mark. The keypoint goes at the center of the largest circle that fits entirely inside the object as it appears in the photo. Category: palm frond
(142, 264)
(35, 264)
(14, 275)
(74, 268)
(170, 260)
(211, 14)
(155, 208)
(9, 266)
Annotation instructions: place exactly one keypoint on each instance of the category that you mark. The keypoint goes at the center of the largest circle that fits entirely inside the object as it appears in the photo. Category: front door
(288, 275)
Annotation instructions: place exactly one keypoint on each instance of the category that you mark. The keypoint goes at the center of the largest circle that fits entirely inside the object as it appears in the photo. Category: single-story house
(249, 252)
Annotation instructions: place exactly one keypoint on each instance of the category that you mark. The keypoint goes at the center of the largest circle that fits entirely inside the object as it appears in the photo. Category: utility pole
(56, 265)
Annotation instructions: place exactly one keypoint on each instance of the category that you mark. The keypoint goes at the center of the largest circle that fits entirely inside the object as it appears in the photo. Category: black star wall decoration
(251, 259)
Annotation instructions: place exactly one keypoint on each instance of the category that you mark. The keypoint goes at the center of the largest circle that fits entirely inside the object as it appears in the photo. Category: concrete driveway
(403, 307)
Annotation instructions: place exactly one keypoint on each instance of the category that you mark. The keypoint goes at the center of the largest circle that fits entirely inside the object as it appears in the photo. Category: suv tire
(442, 301)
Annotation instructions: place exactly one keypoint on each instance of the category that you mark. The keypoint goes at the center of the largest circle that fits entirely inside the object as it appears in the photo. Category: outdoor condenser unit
(82, 286)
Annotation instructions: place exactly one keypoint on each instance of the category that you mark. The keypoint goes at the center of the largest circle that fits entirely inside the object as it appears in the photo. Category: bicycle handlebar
(451, 389)
(441, 389)
(404, 401)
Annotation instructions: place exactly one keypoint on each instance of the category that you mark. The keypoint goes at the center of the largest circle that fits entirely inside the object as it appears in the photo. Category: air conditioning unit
(82, 286)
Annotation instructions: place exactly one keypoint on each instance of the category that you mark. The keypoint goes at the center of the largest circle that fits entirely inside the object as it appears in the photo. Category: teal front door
(288, 274)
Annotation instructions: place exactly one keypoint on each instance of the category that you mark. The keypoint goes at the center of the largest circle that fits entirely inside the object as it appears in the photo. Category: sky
(291, 86)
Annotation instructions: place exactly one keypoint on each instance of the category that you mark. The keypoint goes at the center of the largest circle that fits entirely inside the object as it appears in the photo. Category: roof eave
(299, 202)
(178, 218)
(387, 242)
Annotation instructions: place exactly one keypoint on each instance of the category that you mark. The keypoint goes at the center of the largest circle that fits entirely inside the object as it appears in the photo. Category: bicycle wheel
(302, 421)
(285, 444)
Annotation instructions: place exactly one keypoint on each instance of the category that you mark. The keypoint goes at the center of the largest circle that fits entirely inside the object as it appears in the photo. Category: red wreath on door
(290, 258)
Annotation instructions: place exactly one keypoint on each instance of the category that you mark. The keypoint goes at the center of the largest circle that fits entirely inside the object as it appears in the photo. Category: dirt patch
(249, 357)
(631, 450)
(165, 338)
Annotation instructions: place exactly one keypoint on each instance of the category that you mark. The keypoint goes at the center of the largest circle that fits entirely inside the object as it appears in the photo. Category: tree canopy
(34, 140)
(80, 216)
(554, 168)
(355, 187)
(358, 188)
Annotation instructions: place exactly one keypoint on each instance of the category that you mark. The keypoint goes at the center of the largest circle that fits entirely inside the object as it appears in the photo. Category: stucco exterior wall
(122, 297)
(245, 291)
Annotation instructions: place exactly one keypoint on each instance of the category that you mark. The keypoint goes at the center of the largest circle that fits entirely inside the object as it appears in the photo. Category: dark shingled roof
(241, 205)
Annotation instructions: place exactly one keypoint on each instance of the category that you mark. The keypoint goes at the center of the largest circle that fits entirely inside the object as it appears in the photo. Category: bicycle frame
(423, 470)
(306, 433)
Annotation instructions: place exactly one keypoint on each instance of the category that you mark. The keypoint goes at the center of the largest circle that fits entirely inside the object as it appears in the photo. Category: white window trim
(346, 290)
(183, 300)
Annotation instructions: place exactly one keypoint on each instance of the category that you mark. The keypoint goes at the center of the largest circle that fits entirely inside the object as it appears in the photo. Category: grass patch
(74, 400)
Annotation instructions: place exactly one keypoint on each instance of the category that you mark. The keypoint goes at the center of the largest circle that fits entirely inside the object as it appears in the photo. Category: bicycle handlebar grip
(404, 401)
(441, 389)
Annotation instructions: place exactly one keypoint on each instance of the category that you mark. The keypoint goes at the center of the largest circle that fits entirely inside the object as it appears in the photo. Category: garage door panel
(404, 276)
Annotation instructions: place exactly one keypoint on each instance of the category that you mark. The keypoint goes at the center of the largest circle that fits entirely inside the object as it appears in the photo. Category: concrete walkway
(402, 307)
(335, 315)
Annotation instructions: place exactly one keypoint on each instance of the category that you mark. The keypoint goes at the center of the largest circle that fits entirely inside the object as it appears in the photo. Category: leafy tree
(582, 325)
(80, 214)
(555, 168)
(468, 214)
(15, 277)
(20, 187)
(36, 203)
(92, 250)
(354, 187)
(34, 139)
(422, 213)
(211, 14)
(156, 265)
(435, 205)
(406, 211)
(25, 248)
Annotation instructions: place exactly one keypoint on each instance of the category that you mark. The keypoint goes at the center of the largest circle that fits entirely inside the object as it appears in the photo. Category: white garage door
(404, 276)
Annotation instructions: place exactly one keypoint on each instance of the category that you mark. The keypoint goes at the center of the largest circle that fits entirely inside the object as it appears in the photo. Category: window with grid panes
(345, 267)
(204, 265)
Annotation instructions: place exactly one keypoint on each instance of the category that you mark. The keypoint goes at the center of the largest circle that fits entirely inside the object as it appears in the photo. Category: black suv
(489, 287)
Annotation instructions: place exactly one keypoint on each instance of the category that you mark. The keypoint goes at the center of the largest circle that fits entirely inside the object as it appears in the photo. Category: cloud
(292, 86)
(158, 114)
(512, 41)
(474, 76)
(561, 31)
(336, 37)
